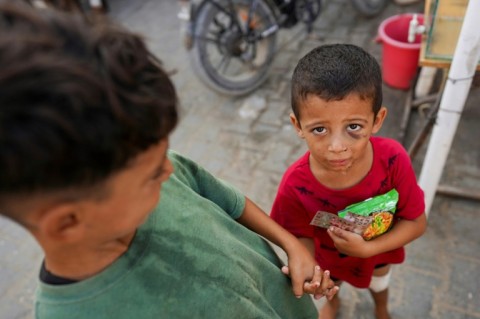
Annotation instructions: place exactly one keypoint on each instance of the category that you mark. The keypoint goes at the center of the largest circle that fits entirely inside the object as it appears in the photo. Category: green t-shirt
(190, 259)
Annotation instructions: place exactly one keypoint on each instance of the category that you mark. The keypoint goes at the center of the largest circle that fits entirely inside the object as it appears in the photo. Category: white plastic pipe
(425, 81)
(462, 70)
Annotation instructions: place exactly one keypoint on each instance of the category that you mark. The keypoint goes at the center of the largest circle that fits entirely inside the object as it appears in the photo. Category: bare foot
(330, 308)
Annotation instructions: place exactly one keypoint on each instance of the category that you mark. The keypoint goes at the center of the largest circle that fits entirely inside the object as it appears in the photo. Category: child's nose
(337, 145)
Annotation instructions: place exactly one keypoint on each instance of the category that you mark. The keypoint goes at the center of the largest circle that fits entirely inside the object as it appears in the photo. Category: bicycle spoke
(206, 39)
(212, 36)
(223, 65)
(219, 24)
(254, 49)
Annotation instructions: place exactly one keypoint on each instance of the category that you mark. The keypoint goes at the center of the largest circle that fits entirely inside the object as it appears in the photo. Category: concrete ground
(440, 278)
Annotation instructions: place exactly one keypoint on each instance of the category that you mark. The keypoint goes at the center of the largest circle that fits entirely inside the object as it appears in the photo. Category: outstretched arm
(301, 264)
(354, 245)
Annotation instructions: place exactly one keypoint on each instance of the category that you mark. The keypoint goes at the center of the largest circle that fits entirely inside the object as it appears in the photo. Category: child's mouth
(338, 163)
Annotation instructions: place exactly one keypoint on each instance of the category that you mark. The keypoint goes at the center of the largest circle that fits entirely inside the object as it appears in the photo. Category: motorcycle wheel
(225, 55)
(369, 8)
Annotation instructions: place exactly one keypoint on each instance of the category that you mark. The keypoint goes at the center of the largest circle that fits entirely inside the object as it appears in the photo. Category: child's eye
(319, 130)
(354, 127)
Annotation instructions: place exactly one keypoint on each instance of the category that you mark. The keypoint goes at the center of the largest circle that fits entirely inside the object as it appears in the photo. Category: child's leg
(330, 308)
(379, 291)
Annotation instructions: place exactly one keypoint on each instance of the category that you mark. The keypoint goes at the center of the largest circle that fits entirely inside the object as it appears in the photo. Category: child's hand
(321, 284)
(349, 243)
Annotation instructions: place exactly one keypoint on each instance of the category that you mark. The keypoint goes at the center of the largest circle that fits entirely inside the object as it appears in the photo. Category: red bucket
(399, 57)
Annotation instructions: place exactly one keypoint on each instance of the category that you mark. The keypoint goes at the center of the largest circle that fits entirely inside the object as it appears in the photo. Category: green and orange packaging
(369, 218)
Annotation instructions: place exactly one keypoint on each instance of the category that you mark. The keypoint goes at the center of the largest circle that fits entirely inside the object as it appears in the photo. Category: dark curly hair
(78, 100)
(332, 72)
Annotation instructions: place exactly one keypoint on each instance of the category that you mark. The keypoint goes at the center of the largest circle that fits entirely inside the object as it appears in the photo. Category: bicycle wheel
(227, 53)
(369, 8)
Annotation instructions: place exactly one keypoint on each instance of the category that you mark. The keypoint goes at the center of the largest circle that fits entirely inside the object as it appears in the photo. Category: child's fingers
(336, 232)
(317, 286)
(327, 287)
(312, 286)
(331, 292)
(297, 287)
(297, 280)
(326, 281)
(327, 293)
(317, 275)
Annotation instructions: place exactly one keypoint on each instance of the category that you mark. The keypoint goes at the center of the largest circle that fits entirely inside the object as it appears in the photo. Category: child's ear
(61, 223)
(296, 125)
(381, 115)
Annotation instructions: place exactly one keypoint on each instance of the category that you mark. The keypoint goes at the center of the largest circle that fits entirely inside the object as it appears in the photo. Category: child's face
(337, 132)
(133, 193)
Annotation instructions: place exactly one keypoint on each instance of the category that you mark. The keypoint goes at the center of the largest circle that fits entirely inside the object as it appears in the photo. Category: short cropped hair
(331, 72)
(79, 100)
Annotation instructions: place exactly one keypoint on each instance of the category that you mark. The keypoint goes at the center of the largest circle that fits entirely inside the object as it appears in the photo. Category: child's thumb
(336, 232)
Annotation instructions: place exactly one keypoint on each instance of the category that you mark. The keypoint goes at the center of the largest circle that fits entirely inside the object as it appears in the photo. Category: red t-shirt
(300, 196)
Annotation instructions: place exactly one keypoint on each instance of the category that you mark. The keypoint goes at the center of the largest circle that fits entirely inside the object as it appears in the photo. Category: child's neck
(79, 263)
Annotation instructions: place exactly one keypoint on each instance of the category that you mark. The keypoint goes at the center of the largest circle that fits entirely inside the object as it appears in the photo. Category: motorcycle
(232, 43)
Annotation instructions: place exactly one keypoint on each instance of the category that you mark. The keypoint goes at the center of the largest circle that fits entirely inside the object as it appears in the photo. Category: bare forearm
(404, 232)
(309, 244)
(256, 220)
(302, 267)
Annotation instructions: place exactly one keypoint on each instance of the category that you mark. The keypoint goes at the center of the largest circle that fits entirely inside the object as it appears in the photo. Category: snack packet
(370, 218)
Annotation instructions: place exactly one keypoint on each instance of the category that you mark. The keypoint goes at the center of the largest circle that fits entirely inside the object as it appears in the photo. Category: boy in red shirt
(337, 107)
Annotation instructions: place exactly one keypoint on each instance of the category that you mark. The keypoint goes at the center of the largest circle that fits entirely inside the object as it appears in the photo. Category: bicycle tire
(206, 52)
(369, 8)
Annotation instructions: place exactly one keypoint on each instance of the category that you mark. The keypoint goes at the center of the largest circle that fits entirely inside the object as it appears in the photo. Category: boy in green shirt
(129, 229)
